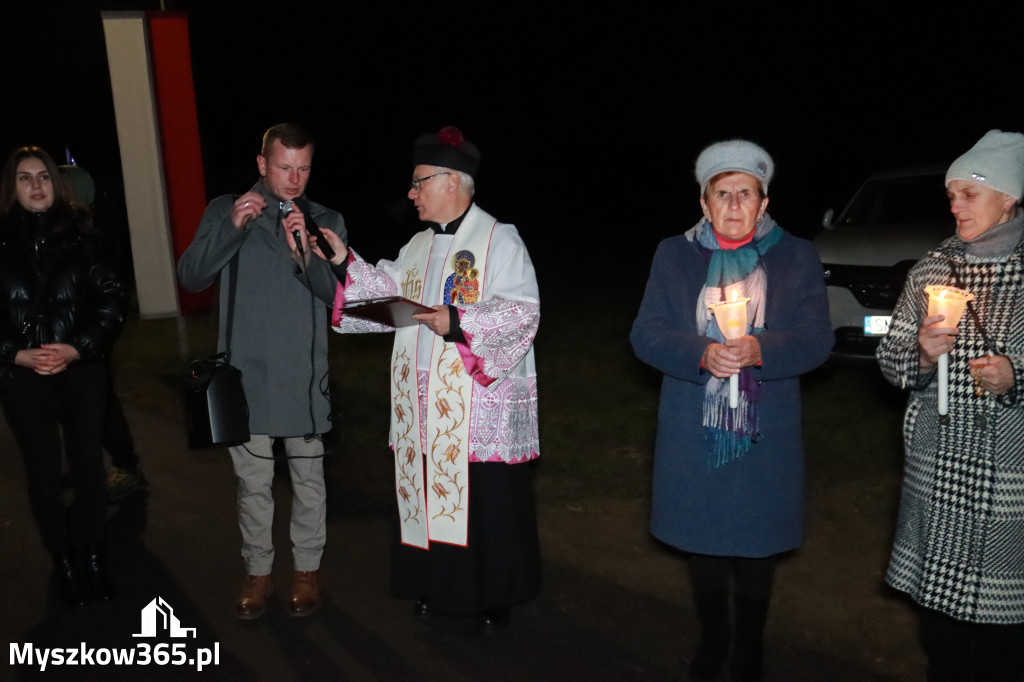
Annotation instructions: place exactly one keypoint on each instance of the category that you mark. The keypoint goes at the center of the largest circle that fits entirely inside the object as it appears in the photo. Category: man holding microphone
(279, 342)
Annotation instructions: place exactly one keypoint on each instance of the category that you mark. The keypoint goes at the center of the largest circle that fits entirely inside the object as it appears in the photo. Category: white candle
(731, 317)
(944, 384)
(950, 303)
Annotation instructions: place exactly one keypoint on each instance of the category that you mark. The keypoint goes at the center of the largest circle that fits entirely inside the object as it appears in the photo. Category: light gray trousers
(254, 467)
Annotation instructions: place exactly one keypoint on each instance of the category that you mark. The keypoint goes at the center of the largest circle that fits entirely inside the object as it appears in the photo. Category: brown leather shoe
(305, 593)
(252, 600)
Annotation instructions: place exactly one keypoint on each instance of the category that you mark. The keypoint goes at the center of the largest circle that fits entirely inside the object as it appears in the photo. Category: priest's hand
(340, 250)
(438, 321)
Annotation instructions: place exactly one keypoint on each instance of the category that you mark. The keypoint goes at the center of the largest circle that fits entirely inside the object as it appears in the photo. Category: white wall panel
(138, 136)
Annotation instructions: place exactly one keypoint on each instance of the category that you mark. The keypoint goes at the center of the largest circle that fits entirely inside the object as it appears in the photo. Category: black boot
(97, 578)
(713, 616)
(748, 654)
(949, 645)
(70, 586)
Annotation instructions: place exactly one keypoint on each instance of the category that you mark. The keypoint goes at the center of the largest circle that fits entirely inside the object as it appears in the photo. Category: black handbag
(215, 406)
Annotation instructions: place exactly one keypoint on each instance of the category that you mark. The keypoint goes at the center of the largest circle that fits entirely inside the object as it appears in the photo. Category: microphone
(286, 209)
(313, 230)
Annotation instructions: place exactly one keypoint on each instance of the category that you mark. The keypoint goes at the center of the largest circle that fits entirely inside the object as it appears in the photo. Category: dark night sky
(589, 120)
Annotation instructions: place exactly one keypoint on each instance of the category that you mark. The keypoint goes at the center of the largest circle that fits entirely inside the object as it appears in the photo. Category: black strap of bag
(972, 311)
(232, 288)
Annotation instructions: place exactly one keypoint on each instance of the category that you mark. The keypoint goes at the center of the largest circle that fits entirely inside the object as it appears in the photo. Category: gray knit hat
(996, 161)
(734, 156)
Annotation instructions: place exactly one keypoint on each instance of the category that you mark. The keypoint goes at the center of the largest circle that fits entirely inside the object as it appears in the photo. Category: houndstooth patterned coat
(959, 546)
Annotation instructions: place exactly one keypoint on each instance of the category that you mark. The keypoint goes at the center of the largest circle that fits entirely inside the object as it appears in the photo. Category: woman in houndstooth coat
(959, 546)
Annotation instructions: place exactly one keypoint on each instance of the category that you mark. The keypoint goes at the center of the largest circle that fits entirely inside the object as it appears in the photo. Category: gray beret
(734, 156)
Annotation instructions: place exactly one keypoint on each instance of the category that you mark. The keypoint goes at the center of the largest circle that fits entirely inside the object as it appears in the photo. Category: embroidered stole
(432, 473)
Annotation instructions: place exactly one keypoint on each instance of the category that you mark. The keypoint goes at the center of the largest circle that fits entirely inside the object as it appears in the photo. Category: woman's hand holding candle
(945, 304)
(720, 361)
(747, 350)
(731, 318)
(725, 360)
(934, 339)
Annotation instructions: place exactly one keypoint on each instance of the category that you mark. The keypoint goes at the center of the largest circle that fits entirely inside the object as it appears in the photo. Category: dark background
(589, 116)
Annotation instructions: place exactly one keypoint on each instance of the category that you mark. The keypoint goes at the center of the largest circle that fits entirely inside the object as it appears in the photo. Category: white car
(890, 223)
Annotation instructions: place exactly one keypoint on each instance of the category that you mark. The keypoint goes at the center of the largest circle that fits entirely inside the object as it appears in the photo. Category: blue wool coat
(754, 505)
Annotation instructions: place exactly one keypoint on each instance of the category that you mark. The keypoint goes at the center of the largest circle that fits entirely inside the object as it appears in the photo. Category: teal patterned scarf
(731, 431)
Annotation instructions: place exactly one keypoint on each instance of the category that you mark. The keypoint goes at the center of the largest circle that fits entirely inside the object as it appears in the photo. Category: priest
(463, 393)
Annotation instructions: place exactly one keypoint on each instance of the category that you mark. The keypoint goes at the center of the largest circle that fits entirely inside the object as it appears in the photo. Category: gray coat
(279, 340)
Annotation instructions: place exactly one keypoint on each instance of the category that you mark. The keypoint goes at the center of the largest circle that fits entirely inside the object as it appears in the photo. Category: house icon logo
(158, 617)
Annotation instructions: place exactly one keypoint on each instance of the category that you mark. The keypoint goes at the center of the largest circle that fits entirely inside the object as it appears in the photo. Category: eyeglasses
(417, 182)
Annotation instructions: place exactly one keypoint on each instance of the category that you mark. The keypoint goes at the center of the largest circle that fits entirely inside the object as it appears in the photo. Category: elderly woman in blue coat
(728, 481)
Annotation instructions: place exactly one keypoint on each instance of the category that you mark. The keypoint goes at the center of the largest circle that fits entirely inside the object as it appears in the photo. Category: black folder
(394, 311)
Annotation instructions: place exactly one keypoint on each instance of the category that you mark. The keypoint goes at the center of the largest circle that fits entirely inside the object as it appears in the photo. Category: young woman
(61, 306)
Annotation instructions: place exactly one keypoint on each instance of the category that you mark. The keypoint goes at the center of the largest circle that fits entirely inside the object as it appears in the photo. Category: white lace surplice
(500, 330)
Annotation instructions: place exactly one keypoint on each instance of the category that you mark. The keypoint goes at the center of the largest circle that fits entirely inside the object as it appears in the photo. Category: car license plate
(876, 325)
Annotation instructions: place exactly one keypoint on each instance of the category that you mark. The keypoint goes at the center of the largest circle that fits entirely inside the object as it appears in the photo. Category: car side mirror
(826, 220)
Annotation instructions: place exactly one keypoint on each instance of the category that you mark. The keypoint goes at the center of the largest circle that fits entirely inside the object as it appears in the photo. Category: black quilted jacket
(58, 281)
